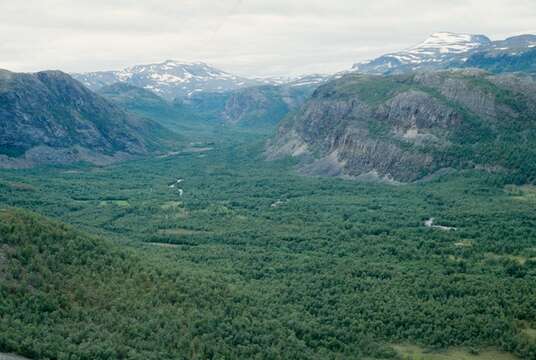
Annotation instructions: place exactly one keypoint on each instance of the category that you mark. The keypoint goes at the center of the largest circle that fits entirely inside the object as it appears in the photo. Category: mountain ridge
(176, 79)
(403, 128)
(169, 79)
(451, 50)
(48, 117)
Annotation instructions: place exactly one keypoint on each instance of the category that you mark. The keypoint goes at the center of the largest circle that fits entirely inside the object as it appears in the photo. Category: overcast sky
(247, 37)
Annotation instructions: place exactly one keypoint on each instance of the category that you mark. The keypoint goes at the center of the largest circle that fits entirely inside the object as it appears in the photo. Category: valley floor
(4, 356)
(259, 262)
(416, 353)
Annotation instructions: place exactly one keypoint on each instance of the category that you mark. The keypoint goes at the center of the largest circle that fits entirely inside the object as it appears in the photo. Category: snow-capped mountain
(169, 79)
(172, 79)
(309, 80)
(449, 50)
(296, 81)
(437, 51)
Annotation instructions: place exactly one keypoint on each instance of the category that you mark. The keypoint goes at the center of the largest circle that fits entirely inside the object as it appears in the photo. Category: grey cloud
(250, 37)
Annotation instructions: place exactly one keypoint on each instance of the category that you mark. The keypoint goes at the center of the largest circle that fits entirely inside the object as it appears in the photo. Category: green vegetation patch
(120, 203)
(412, 352)
(530, 333)
(371, 89)
(522, 193)
(178, 232)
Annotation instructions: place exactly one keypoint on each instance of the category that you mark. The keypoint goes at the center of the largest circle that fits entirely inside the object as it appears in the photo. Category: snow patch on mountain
(296, 81)
(449, 50)
(438, 49)
(169, 79)
(446, 43)
(175, 79)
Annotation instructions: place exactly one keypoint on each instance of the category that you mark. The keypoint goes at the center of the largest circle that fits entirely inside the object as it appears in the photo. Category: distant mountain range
(449, 50)
(174, 79)
(176, 93)
(255, 106)
(169, 79)
(401, 117)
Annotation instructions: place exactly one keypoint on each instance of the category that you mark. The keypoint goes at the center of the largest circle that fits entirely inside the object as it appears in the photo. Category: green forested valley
(206, 254)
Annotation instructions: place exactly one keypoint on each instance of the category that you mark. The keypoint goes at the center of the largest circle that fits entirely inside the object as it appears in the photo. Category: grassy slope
(409, 352)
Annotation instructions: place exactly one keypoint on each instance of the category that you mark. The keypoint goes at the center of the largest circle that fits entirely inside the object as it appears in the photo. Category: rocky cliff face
(405, 127)
(48, 117)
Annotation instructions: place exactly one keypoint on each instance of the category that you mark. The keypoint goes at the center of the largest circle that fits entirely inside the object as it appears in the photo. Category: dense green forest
(257, 262)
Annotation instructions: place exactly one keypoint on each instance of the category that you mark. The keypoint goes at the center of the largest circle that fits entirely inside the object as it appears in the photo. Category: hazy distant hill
(256, 106)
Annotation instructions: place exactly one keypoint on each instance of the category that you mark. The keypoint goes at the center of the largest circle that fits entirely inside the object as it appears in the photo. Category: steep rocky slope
(405, 127)
(48, 117)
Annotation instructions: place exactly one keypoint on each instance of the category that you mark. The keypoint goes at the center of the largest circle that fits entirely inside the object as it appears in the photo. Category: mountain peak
(173, 62)
(169, 79)
(452, 36)
(448, 42)
(438, 51)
